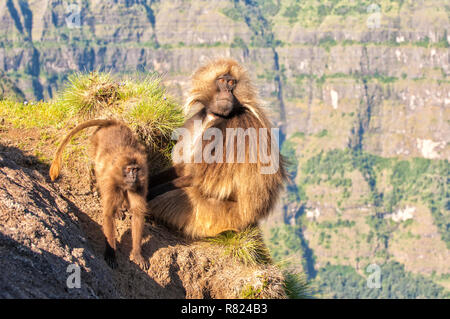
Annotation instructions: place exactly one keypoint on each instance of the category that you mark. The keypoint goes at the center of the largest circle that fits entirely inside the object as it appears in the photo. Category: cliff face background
(360, 90)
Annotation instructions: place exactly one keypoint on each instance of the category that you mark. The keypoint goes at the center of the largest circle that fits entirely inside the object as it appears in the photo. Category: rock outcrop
(45, 237)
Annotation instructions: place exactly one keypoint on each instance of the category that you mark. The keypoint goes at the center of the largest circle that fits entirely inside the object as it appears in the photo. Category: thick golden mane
(204, 87)
(226, 193)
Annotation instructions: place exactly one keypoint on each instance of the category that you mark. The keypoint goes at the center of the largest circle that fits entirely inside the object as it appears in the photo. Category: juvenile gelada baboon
(202, 198)
(120, 167)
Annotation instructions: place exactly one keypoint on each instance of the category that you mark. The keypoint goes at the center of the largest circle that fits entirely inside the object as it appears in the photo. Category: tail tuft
(55, 170)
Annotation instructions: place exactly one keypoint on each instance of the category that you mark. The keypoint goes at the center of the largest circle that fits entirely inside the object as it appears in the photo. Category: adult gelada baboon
(121, 171)
(226, 184)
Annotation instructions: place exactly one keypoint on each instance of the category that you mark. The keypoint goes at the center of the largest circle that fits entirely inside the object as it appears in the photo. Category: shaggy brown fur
(206, 199)
(122, 178)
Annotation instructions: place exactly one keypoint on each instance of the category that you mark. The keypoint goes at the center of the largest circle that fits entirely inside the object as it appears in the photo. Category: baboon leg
(195, 217)
(138, 207)
(172, 209)
(180, 182)
(213, 216)
(166, 176)
(111, 202)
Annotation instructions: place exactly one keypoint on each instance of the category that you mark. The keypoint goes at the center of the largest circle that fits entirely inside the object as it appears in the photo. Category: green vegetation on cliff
(345, 282)
(413, 180)
(142, 103)
(391, 183)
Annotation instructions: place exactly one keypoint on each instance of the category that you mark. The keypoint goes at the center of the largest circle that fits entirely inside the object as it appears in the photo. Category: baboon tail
(55, 168)
(183, 210)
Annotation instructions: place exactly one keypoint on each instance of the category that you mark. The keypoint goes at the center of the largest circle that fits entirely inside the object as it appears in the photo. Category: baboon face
(224, 101)
(131, 176)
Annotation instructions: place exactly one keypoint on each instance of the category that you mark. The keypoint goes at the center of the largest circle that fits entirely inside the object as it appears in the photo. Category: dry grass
(297, 286)
(246, 246)
(88, 95)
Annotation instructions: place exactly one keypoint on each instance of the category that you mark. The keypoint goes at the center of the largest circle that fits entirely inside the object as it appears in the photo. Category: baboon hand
(120, 214)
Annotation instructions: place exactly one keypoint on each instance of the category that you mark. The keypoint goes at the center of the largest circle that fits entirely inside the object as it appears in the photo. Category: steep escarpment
(8, 89)
(310, 59)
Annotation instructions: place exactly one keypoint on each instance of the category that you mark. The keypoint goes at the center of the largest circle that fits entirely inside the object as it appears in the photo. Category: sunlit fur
(114, 148)
(223, 196)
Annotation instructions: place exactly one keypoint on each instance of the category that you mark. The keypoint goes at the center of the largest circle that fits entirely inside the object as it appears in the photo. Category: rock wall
(308, 66)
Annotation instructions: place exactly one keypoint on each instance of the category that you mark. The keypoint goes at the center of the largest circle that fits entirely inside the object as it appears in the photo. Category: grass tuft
(246, 246)
(141, 103)
(86, 95)
(252, 292)
(297, 286)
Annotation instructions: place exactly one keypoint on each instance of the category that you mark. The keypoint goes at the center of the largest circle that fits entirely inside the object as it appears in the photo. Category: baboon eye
(231, 83)
(221, 80)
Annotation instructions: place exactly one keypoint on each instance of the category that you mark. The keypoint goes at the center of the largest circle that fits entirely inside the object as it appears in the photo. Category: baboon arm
(166, 176)
(187, 210)
(108, 222)
(137, 203)
(138, 208)
(111, 202)
(180, 182)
